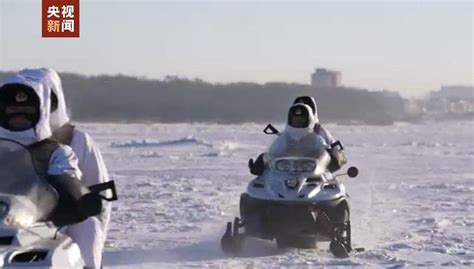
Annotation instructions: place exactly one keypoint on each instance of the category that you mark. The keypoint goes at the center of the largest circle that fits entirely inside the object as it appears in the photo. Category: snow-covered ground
(412, 204)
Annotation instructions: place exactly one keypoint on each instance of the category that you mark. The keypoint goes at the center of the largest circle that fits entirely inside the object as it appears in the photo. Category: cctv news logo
(60, 18)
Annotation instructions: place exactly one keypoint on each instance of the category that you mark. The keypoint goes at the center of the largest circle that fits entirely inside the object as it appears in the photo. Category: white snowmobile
(28, 237)
(297, 202)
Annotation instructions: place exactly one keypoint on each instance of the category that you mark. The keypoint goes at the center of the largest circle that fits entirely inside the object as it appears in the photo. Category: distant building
(451, 100)
(324, 78)
(454, 93)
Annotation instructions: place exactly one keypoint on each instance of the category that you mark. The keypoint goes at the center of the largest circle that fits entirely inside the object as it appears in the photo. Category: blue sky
(411, 47)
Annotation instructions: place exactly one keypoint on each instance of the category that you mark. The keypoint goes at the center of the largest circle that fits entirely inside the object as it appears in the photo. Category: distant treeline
(174, 99)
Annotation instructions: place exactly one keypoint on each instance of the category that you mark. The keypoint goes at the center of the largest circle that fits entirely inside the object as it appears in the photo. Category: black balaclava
(16, 94)
(298, 116)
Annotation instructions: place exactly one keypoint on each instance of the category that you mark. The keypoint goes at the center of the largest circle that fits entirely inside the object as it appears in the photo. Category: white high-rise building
(324, 78)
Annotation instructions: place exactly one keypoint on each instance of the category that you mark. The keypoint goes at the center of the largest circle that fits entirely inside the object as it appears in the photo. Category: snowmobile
(28, 236)
(297, 202)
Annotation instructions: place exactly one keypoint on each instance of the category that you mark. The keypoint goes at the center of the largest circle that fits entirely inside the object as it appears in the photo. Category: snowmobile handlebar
(337, 145)
(109, 185)
(271, 130)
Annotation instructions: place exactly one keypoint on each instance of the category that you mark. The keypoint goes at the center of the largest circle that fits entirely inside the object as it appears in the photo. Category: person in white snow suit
(338, 158)
(304, 133)
(298, 138)
(24, 119)
(318, 128)
(90, 234)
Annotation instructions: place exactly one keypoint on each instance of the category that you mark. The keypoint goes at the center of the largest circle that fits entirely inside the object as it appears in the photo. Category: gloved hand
(338, 159)
(258, 167)
(75, 204)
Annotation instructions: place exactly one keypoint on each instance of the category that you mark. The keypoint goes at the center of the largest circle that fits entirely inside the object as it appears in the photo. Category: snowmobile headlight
(283, 165)
(309, 165)
(304, 166)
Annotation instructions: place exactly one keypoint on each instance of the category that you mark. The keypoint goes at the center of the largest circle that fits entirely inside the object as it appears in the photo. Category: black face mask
(33, 118)
(19, 95)
(298, 116)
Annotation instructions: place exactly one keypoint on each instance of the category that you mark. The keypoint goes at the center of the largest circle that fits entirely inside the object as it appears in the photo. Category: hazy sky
(411, 47)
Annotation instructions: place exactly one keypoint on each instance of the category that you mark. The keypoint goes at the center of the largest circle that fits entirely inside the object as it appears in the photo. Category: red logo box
(60, 18)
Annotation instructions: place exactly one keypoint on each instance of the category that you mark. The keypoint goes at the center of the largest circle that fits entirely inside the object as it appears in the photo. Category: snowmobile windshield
(25, 197)
(310, 146)
(303, 156)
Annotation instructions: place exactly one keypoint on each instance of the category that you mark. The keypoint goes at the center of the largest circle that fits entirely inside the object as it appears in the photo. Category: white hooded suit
(63, 159)
(90, 234)
(302, 142)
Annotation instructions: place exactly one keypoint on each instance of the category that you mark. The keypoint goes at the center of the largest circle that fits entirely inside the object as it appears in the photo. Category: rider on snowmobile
(298, 136)
(303, 124)
(318, 128)
(90, 234)
(24, 118)
(298, 202)
(338, 159)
